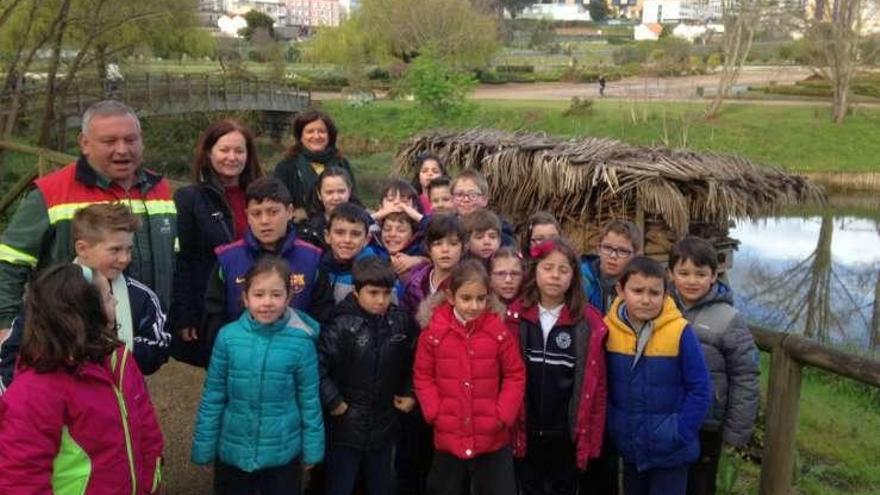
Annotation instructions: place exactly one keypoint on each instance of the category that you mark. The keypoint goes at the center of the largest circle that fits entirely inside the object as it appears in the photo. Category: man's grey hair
(107, 108)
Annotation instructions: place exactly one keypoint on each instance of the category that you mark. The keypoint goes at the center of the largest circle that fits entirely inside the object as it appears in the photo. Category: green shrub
(579, 107)
(436, 86)
(515, 68)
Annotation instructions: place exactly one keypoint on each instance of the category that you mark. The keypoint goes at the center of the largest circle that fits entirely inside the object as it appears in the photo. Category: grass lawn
(838, 440)
(799, 138)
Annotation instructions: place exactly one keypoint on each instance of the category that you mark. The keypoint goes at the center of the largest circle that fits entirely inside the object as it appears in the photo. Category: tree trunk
(736, 46)
(6, 12)
(875, 317)
(57, 48)
(818, 312)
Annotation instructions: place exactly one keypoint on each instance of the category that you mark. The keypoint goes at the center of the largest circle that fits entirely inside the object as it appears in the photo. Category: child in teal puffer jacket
(260, 421)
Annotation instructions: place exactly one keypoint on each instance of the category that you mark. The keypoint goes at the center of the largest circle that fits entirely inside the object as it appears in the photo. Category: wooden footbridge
(163, 95)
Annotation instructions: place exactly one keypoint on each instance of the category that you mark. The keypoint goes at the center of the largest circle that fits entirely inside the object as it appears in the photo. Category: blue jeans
(659, 481)
(344, 463)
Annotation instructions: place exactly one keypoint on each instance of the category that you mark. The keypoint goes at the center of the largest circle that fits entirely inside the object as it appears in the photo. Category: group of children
(417, 349)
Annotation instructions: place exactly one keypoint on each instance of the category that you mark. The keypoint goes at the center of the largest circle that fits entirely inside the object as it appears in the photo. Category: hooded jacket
(470, 382)
(260, 406)
(556, 399)
(365, 360)
(732, 359)
(39, 233)
(92, 431)
(416, 287)
(223, 303)
(339, 273)
(599, 291)
(151, 340)
(659, 388)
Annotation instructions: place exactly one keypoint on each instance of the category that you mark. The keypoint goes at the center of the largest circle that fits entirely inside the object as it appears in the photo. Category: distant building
(313, 13)
(631, 9)
(661, 11)
(558, 10)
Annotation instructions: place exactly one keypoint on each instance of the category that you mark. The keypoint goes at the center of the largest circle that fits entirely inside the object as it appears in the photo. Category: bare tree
(740, 19)
(837, 28)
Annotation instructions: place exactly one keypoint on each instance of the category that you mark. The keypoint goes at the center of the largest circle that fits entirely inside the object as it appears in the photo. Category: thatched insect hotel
(586, 182)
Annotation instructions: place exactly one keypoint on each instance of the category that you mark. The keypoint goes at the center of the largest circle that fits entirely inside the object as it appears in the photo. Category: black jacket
(365, 360)
(312, 230)
(204, 221)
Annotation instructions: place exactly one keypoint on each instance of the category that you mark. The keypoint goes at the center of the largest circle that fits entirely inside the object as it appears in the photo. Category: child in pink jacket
(78, 418)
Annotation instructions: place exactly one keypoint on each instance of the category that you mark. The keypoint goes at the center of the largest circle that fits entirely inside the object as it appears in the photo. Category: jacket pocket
(664, 438)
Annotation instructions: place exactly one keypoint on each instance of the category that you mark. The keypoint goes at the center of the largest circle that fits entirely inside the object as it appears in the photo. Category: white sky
(855, 241)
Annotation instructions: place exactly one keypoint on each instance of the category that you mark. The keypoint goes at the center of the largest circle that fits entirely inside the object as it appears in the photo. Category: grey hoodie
(732, 359)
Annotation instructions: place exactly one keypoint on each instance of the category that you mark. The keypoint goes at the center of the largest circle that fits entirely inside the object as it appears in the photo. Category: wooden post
(783, 396)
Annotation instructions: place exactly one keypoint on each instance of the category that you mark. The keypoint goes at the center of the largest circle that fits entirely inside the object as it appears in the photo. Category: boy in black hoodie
(365, 361)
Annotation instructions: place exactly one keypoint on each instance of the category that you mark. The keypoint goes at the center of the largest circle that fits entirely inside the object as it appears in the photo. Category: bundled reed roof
(588, 180)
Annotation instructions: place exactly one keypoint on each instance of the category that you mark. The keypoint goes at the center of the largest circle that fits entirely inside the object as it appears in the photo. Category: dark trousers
(279, 480)
(659, 481)
(345, 463)
(601, 476)
(702, 474)
(412, 458)
(548, 467)
(489, 474)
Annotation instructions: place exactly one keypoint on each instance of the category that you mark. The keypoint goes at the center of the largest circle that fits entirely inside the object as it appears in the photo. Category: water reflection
(819, 276)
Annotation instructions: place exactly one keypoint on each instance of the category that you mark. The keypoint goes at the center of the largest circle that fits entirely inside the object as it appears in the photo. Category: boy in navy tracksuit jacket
(270, 231)
(103, 235)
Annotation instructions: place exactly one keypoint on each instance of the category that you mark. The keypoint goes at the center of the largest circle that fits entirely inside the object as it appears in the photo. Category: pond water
(815, 272)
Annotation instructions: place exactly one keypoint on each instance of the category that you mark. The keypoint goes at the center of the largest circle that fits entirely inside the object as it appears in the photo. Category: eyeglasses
(504, 275)
(615, 252)
(469, 196)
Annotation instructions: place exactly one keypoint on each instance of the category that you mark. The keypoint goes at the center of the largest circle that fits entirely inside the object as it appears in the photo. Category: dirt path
(176, 390)
(640, 87)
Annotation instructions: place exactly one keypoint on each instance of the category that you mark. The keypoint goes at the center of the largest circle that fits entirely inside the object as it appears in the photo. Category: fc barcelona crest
(297, 282)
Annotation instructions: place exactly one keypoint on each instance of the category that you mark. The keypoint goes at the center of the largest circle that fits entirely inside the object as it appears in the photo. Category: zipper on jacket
(123, 412)
(260, 397)
(218, 217)
(543, 369)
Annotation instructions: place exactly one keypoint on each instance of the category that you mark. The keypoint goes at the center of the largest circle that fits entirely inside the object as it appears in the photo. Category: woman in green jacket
(314, 150)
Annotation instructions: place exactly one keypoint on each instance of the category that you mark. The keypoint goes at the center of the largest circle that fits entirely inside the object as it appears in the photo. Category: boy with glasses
(619, 242)
(470, 192)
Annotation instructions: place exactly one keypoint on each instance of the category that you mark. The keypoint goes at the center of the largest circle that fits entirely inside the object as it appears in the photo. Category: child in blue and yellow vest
(659, 388)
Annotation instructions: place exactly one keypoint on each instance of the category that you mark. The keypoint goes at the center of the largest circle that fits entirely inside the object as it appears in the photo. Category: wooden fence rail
(45, 160)
(789, 353)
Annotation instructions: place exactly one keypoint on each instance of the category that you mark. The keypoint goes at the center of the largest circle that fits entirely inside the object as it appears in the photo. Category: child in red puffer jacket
(470, 380)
